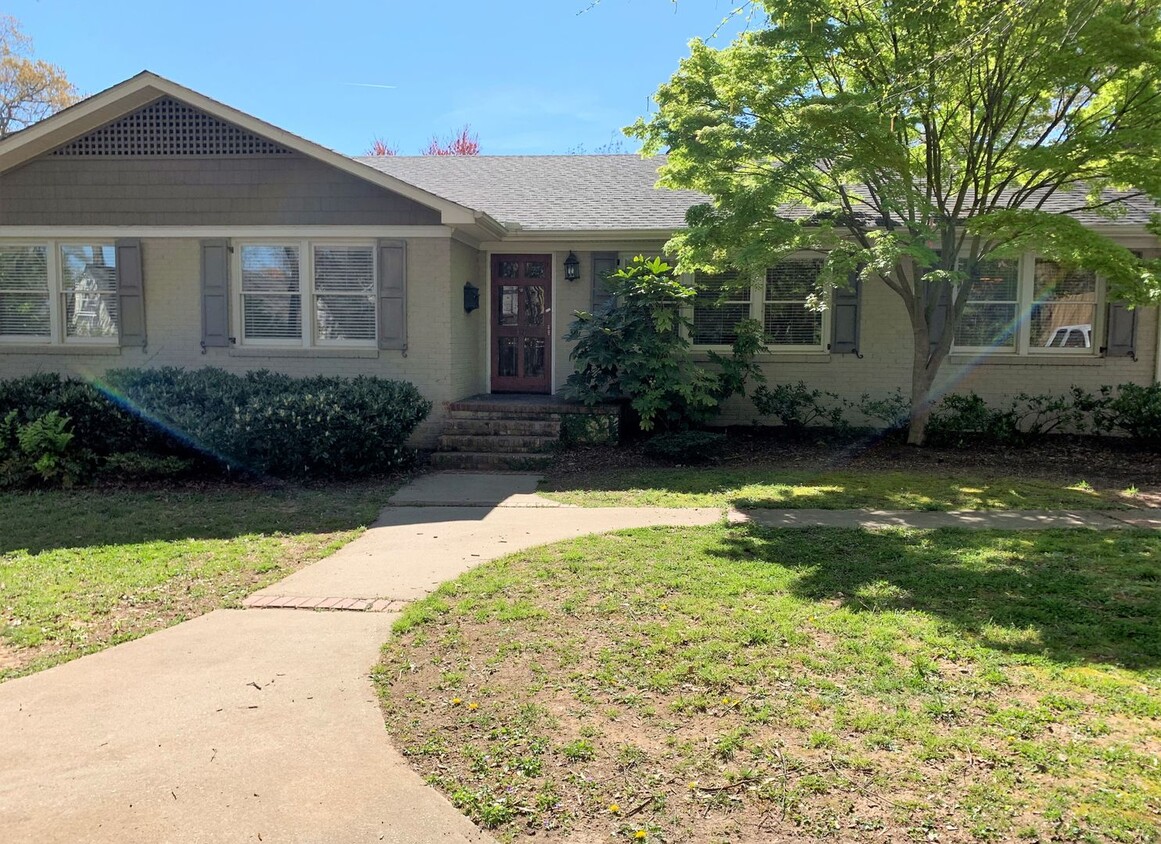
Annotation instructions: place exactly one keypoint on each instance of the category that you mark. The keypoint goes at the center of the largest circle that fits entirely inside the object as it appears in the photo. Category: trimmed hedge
(260, 422)
(274, 424)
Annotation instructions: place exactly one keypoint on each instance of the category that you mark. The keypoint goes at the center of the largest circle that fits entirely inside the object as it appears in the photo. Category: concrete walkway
(925, 520)
(262, 724)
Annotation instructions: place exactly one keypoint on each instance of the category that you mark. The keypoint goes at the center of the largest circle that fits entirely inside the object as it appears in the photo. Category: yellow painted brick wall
(885, 342)
(468, 350)
(172, 274)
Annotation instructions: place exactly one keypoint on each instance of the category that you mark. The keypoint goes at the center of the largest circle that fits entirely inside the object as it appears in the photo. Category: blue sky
(528, 76)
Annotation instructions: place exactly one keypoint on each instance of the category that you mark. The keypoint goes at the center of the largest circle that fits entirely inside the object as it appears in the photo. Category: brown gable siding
(257, 191)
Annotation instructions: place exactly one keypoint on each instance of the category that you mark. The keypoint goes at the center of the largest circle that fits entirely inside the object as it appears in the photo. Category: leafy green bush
(798, 407)
(961, 420)
(686, 446)
(148, 424)
(96, 420)
(42, 450)
(636, 349)
(1135, 410)
(893, 410)
(274, 424)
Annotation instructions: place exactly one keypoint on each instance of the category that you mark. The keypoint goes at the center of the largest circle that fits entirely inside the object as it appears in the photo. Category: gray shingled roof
(606, 192)
(550, 192)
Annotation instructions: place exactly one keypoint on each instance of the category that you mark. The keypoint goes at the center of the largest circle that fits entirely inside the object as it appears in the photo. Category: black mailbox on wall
(471, 297)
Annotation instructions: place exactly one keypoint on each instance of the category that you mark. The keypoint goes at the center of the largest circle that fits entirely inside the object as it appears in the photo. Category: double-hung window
(58, 293)
(303, 294)
(990, 318)
(1063, 310)
(787, 317)
(1030, 306)
(780, 301)
(722, 302)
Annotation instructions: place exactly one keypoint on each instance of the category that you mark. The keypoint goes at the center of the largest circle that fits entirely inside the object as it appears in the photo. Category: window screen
(344, 293)
(722, 302)
(89, 290)
(271, 293)
(990, 317)
(24, 292)
(787, 318)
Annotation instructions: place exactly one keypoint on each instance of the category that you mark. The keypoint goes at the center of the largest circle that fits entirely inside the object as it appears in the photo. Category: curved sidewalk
(261, 724)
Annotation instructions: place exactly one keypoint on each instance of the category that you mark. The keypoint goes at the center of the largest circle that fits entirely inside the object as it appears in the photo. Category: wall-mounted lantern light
(471, 297)
(571, 267)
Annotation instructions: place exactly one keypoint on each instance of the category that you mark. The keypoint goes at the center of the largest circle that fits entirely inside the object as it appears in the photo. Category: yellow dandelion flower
(614, 808)
(473, 705)
(693, 784)
(640, 834)
(456, 701)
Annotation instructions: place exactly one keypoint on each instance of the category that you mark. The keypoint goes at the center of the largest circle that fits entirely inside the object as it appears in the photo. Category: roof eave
(108, 105)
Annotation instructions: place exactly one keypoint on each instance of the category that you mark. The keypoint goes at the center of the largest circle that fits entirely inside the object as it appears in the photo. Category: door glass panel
(508, 362)
(533, 357)
(509, 269)
(534, 269)
(509, 304)
(533, 305)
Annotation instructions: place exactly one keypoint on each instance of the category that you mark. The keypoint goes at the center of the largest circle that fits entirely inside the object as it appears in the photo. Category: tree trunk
(922, 377)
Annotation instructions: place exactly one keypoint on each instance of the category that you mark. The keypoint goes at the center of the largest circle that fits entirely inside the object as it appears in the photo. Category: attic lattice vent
(169, 128)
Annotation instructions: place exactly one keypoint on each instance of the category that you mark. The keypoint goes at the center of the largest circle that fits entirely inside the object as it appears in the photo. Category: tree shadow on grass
(1072, 596)
(749, 487)
(84, 518)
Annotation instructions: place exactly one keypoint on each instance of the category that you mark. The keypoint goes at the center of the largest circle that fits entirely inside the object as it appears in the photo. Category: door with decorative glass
(521, 323)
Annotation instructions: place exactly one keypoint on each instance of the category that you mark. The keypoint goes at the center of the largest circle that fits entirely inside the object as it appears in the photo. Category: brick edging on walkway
(298, 602)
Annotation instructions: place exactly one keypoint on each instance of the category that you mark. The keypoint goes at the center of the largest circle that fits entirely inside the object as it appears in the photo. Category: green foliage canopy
(896, 135)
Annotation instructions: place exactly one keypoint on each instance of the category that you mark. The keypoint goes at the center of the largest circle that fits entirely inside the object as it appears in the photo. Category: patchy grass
(83, 570)
(837, 490)
(734, 683)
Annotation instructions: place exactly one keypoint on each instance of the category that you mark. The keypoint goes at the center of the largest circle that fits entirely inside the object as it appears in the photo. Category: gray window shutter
(604, 264)
(845, 319)
(215, 293)
(130, 293)
(941, 292)
(1121, 336)
(393, 294)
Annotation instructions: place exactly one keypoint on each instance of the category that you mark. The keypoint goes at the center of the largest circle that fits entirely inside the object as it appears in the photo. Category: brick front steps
(516, 432)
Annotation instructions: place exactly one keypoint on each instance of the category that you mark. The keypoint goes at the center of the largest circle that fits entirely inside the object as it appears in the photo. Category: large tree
(910, 140)
(30, 89)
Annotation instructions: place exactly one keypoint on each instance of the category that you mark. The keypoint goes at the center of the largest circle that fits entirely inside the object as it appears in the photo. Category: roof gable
(113, 104)
(169, 128)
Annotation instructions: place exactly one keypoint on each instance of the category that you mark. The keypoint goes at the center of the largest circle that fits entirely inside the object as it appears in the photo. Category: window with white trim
(989, 320)
(787, 318)
(329, 299)
(54, 292)
(1031, 306)
(1064, 308)
(780, 301)
(722, 302)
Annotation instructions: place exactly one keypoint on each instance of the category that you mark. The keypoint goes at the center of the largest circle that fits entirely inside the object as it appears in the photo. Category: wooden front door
(521, 323)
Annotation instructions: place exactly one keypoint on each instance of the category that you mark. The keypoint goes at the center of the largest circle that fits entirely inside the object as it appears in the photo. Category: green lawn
(839, 490)
(734, 683)
(85, 569)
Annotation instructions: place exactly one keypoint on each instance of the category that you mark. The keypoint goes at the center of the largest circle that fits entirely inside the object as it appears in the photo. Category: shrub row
(156, 423)
(960, 420)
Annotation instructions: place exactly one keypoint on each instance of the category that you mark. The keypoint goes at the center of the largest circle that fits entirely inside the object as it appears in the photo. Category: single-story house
(150, 225)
